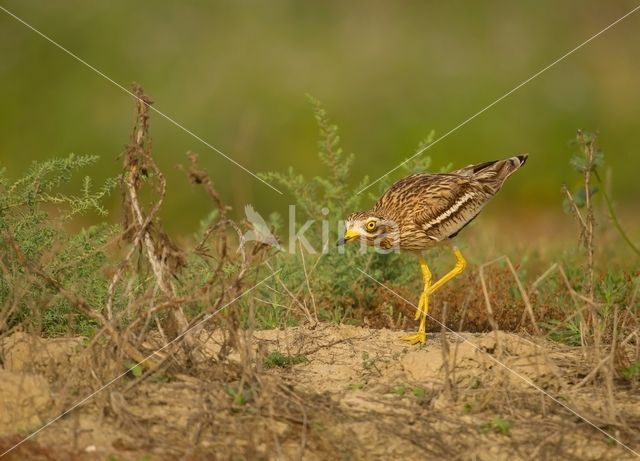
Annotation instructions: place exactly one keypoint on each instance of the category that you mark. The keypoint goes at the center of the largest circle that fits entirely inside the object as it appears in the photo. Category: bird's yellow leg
(423, 306)
(429, 289)
(459, 267)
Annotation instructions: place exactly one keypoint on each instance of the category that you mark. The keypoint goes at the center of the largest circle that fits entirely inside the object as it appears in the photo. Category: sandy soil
(356, 394)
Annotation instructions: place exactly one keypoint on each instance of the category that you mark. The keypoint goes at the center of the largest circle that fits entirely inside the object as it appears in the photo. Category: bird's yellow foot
(418, 338)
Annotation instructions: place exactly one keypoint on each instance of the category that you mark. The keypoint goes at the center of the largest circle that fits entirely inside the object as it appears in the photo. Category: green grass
(278, 359)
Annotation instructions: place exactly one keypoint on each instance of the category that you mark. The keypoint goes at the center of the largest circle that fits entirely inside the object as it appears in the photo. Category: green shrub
(33, 215)
(336, 287)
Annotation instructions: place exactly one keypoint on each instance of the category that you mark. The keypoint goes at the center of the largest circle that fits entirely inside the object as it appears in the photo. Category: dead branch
(163, 256)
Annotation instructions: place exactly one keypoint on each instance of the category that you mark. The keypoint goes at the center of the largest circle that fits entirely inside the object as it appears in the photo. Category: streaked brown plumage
(424, 209)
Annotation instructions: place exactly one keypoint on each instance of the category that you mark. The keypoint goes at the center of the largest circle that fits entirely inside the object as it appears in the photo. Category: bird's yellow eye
(371, 225)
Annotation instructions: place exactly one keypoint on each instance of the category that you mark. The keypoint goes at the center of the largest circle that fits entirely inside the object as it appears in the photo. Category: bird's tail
(504, 168)
(494, 173)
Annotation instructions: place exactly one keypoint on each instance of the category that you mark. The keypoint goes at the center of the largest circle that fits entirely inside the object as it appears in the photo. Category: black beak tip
(341, 241)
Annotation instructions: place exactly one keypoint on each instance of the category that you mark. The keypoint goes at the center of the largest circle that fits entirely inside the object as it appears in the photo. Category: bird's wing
(420, 196)
(437, 205)
(444, 198)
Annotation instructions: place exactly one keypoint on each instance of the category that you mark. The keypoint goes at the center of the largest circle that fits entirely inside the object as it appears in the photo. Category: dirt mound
(344, 392)
(22, 352)
(25, 401)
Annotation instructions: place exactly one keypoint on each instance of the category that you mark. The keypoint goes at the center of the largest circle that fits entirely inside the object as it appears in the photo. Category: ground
(329, 392)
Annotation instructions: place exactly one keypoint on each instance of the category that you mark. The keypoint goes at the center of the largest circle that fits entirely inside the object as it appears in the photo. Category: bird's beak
(349, 235)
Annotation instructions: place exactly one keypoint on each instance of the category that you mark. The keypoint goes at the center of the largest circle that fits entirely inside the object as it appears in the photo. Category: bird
(424, 210)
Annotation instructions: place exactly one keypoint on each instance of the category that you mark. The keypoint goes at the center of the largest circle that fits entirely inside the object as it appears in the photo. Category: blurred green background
(236, 74)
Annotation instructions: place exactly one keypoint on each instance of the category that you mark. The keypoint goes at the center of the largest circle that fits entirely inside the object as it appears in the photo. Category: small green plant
(278, 359)
(589, 160)
(240, 396)
(160, 378)
(590, 326)
(135, 369)
(418, 392)
(398, 390)
(319, 426)
(498, 425)
(632, 371)
(609, 441)
(563, 332)
(336, 315)
(367, 362)
(475, 383)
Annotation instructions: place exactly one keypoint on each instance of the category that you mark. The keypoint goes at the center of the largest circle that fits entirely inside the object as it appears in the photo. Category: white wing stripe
(455, 207)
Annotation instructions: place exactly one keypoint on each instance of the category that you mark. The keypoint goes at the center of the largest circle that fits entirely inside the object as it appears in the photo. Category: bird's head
(375, 229)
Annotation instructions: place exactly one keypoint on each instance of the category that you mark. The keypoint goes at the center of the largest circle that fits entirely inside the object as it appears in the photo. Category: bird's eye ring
(371, 225)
